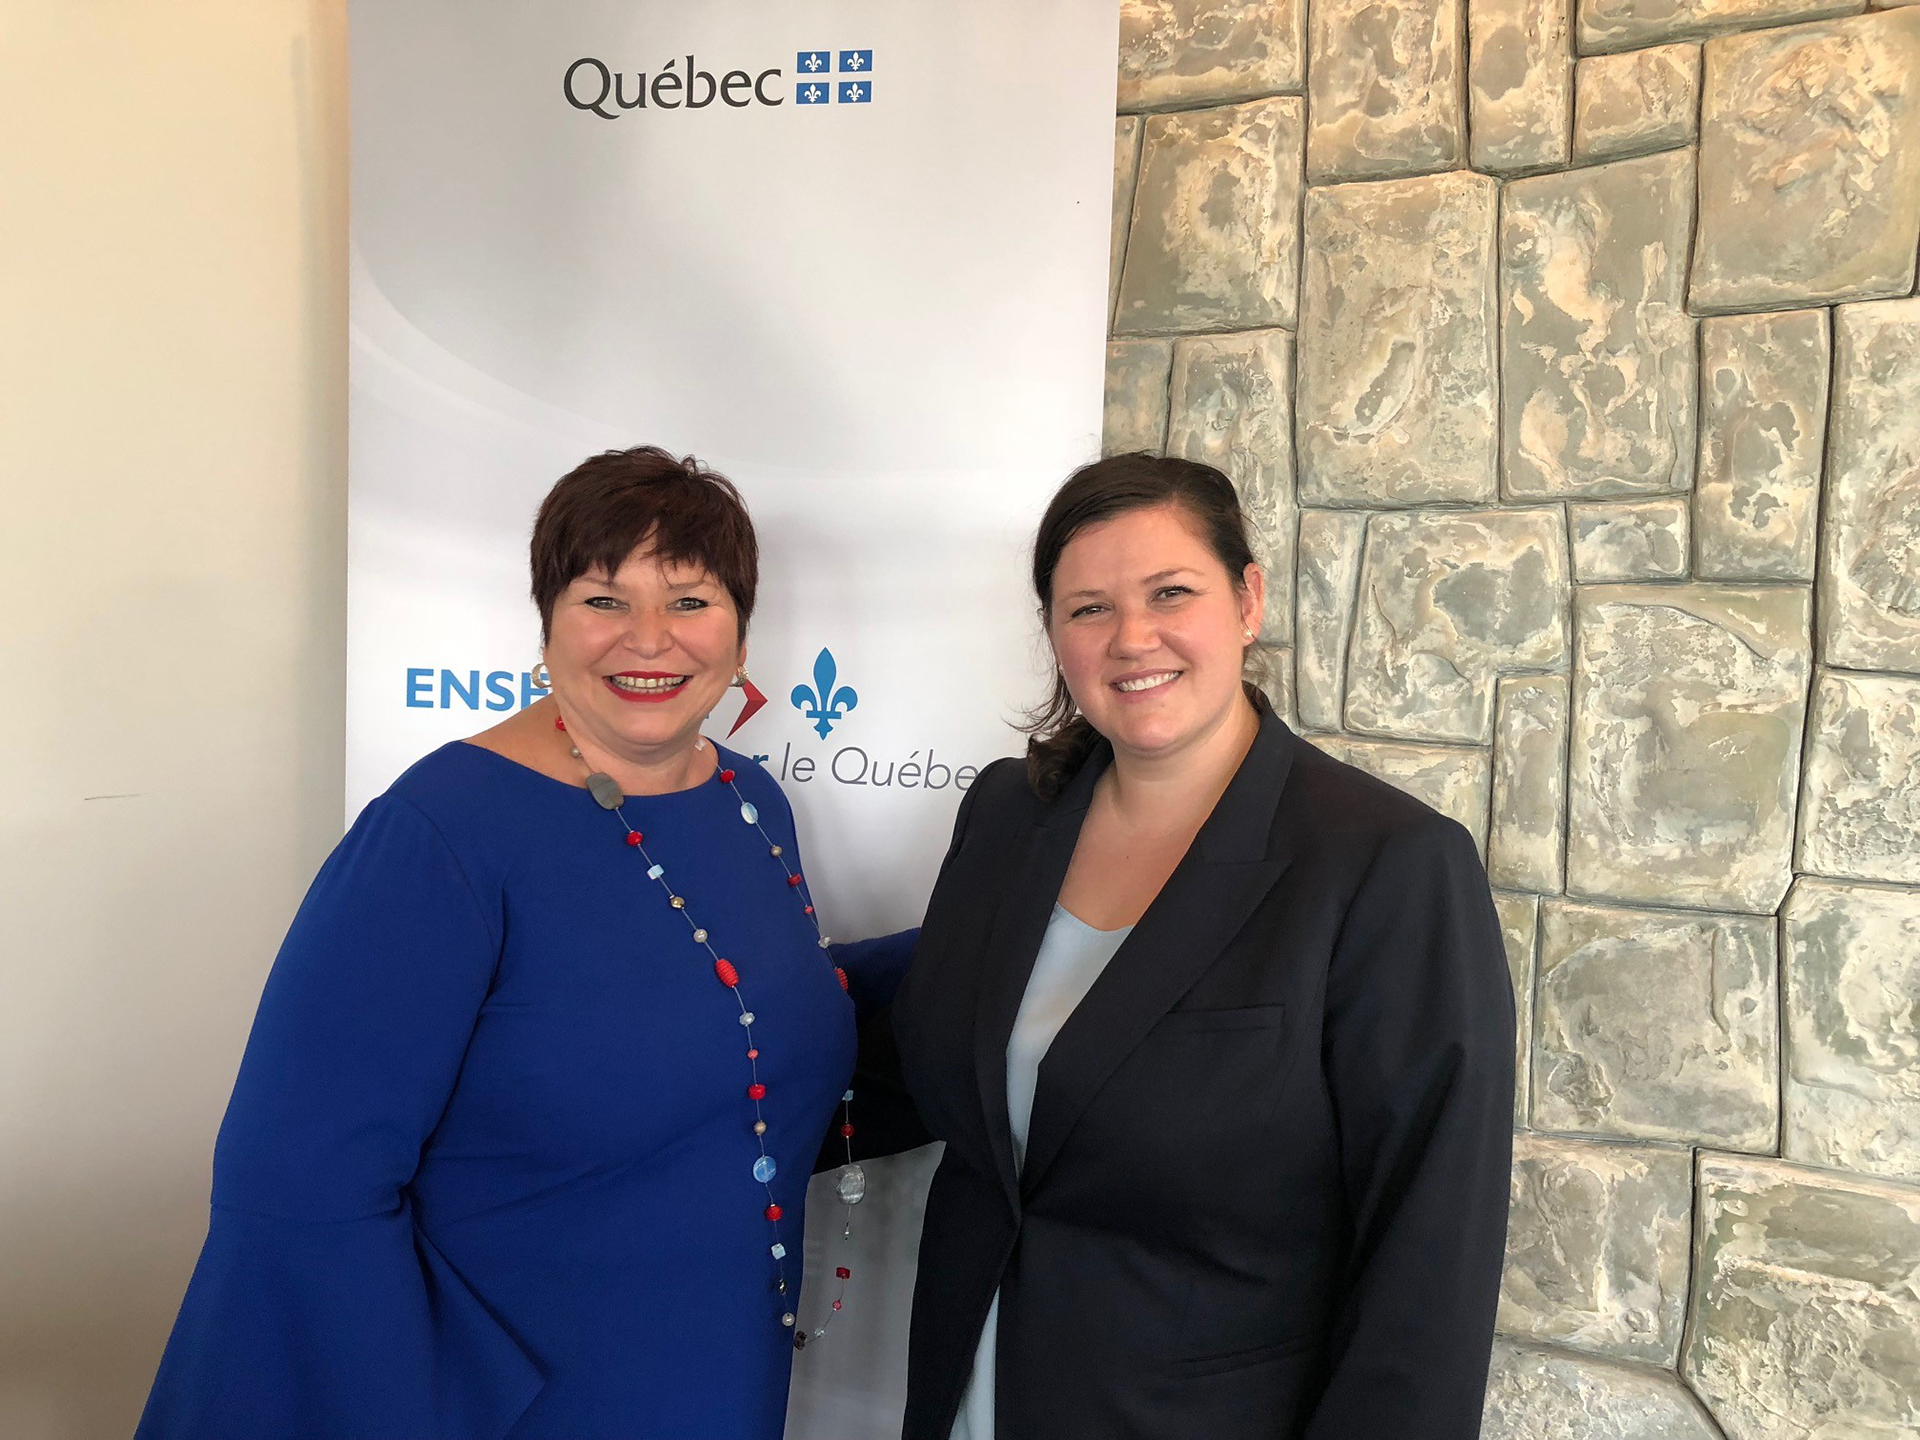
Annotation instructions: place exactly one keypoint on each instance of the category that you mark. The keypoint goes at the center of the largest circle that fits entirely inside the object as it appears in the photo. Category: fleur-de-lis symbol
(821, 703)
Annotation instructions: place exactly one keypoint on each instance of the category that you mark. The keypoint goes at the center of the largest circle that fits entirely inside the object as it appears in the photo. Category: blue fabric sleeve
(318, 1309)
(875, 968)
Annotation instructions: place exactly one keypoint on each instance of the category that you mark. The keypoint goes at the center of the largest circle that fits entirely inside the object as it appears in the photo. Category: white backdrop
(878, 306)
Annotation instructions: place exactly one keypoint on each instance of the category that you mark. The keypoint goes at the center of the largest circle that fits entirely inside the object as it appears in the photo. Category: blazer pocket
(1239, 1017)
(1246, 1359)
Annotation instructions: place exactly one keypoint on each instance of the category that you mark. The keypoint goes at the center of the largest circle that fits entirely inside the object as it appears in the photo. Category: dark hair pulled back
(1059, 737)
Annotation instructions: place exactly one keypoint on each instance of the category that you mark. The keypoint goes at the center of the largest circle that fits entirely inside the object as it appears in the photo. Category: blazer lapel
(1037, 866)
(1232, 864)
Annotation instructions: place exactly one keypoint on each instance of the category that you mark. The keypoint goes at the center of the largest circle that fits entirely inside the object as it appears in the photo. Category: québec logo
(821, 702)
(825, 77)
(820, 83)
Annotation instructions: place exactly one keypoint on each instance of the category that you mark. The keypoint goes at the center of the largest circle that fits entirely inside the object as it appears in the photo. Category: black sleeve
(885, 1121)
(1419, 1062)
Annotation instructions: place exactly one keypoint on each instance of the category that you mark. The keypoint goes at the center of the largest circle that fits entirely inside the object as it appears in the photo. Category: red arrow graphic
(754, 701)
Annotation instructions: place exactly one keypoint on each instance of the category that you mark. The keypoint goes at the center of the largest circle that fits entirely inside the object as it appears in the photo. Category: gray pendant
(602, 788)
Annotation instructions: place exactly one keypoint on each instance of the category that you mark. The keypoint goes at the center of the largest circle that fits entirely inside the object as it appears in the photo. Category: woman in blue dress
(521, 1140)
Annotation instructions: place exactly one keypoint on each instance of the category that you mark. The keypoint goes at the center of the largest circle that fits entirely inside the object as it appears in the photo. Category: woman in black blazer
(1261, 1188)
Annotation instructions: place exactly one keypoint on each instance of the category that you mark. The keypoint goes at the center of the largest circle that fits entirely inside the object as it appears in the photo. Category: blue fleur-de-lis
(823, 704)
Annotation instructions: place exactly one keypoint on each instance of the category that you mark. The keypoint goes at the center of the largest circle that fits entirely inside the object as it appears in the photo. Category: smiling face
(1150, 631)
(640, 657)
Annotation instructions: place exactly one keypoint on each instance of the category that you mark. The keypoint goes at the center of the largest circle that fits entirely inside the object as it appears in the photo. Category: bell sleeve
(1418, 1052)
(318, 1309)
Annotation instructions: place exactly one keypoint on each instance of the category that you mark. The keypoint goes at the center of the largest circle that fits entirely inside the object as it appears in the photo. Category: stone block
(1607, 25)
(1519, 82)
(1191, 52)
(1597, 362)
(1449, 599)
(1807, 1306)
(1231, 408)
(1850, 955)
(1861, 818)
(1550, 1395)
(1597, 1247)
(1629, 539)
(1870, 565)
(1762, 435)
(1689, 702)
(1519, 929)
(1329, 579)
(1635, 102)
(1525, 846)
(1453, 780)
(1126, 172)
(1657, 1026)
(1398, 326)
(1215, 239)
(1135, 417)
(1384, 88)
(1810, 164)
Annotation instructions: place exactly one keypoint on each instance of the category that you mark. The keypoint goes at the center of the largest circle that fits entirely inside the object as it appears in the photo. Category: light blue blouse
(1072, 956)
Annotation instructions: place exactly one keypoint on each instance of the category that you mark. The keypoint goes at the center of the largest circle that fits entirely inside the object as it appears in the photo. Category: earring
(1247, 633)
(540, 677)
(739, 677)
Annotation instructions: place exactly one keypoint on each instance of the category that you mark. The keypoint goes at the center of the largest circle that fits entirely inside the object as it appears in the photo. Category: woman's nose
(647, 633)
(1134, 632)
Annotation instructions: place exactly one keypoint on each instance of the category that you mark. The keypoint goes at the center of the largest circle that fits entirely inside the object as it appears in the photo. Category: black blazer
(1265, 1189)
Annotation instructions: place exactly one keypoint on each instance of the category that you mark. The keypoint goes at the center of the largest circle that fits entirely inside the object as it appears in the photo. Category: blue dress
(486, 1172)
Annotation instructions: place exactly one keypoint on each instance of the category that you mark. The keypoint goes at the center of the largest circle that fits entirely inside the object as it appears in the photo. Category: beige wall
(172, 555)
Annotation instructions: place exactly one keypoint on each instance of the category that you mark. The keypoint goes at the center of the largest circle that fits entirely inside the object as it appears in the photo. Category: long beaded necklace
(851, 1185)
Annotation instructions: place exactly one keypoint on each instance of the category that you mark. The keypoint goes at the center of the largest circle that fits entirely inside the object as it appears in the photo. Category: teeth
(628, 682)
(1147, 682)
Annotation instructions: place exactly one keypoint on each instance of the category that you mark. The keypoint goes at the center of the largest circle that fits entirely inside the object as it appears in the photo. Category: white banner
(854, 256)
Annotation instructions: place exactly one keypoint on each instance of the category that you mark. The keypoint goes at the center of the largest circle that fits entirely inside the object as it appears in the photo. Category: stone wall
(1566, 354)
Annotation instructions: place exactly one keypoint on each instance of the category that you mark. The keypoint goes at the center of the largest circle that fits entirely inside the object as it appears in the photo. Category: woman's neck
(1179, 790)
(680, 766)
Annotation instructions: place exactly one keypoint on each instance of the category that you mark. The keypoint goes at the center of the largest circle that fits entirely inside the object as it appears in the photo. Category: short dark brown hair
(607, 507)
